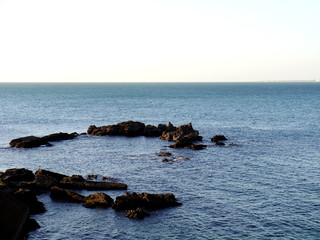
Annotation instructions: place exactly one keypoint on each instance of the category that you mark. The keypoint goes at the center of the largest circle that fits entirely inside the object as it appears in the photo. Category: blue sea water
(265, 184)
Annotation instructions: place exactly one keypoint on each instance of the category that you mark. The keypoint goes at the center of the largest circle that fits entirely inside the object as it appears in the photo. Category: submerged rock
(187, 144)
(137, 213)
(146, 200)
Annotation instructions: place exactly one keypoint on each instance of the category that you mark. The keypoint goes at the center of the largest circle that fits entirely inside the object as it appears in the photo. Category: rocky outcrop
(65, 195)
(129, 128)
(32, 141)
(219, 140)
(59, 137)
(29, 197)
(47, 179)
(183, 135)
(17, 175)
(98, 200)
(15, 220)
(183, 132)
(28, 142)
(145, 200)
(137, 213)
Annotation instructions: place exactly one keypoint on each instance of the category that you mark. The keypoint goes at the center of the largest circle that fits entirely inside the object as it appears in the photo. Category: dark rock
(183, 132)
(99, 200)
(165, 160)
(129, 128)
(218, 138)
(13, 216)
(17, 175)
(167, 154)
(28, 197)
(183, 143)
(147, 200)
(137, 213)
(65, 195)
(218, 143)
(59, 137)
(152, 131)
(47, 179)
(30, 225)
(28, 142)
(92, 176)
(88, 185)
(72, 179)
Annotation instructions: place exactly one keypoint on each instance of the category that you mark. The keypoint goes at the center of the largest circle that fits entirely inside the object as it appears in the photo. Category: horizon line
(94, 82)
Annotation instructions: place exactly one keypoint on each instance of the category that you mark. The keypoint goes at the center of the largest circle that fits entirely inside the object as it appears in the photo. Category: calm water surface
(265, 185)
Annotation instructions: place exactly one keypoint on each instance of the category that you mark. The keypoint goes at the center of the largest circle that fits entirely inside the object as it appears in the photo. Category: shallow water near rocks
(265, 184)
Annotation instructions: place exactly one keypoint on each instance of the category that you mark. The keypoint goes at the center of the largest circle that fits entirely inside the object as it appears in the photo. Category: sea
(263, 184)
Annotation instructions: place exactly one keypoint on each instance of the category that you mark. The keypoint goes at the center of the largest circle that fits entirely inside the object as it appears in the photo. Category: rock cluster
(219, 140)
(32, 141)
(184, 136)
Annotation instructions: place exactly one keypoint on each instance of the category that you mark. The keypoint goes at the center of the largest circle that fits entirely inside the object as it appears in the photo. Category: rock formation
(47, 179)
(32, 141)
(146, 200)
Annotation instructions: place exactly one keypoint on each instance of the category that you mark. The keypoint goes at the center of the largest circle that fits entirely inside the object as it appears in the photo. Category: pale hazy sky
(159, 40)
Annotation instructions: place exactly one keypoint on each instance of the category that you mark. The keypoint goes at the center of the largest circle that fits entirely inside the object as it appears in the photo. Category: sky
(159, 40)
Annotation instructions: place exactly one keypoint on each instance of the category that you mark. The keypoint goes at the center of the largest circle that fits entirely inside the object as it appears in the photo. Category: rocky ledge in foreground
(47, 179)
(32, 141)
(183, 135)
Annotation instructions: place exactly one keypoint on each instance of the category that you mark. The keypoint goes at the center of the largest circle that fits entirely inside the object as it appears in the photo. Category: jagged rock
(147, 200)
(30, 198)
(28, 142)
(218, 138)
(65, 195)
(59, 137)
(17, 175)
(47, 179)
(183, 132)
(99, 200)
(137, 213)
